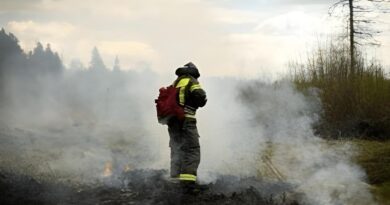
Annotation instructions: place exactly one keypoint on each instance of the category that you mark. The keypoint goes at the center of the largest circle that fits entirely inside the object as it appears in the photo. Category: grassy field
(374, 157)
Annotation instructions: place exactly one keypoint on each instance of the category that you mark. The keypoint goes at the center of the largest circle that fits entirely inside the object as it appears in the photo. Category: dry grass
(374, 157)
(355, 101)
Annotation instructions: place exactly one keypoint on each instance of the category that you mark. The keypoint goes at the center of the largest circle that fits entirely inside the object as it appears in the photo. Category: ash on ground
(142, 187)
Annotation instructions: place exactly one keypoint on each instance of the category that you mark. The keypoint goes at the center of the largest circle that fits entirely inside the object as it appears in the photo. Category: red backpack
(167, 106)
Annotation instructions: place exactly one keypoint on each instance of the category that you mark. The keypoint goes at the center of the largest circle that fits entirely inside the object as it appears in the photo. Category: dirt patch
(141, 187)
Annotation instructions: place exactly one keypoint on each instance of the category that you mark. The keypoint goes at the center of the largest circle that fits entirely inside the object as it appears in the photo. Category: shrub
(356, 102)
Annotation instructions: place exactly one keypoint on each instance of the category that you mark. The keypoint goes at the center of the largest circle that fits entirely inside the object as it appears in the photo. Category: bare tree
(360, 30)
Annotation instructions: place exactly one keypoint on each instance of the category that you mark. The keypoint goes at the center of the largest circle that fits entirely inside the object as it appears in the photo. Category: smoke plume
(259, 123)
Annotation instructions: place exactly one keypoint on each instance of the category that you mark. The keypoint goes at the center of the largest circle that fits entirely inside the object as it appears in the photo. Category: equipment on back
(167, 106)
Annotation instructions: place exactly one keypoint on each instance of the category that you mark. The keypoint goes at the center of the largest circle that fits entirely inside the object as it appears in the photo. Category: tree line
(36, 82)
(38, 61)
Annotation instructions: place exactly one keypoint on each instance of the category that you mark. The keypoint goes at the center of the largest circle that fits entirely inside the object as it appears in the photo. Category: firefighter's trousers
(185, 149)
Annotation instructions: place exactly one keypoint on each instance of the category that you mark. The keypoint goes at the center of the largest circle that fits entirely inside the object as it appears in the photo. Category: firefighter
(184, 136)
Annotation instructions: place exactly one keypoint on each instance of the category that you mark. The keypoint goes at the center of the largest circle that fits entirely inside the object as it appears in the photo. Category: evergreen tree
(116, 67)
(9, 45)
(37, 59)
(54, 63)
(11, 55)
(97, 63)
(44, 61)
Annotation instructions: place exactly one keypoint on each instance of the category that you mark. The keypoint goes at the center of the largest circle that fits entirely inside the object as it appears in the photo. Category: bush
(356, 99)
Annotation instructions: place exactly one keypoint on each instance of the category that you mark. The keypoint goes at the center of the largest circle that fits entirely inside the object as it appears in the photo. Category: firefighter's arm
(198, 95)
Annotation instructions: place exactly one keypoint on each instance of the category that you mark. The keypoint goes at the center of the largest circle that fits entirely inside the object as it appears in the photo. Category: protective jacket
(191, 95)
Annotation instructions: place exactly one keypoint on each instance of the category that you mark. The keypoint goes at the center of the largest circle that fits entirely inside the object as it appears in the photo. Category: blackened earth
(143, 187)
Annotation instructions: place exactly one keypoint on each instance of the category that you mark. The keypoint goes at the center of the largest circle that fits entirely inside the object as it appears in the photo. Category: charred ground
(140, 187)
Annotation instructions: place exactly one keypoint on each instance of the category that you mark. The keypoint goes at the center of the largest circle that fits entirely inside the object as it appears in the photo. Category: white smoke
(253, 120)
(75, 123)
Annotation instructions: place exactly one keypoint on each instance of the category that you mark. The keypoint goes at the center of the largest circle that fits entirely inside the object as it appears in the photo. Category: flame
(127, 168)
(107, 169)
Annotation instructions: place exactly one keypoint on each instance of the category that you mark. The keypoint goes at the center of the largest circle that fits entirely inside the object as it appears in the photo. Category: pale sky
(222, 37)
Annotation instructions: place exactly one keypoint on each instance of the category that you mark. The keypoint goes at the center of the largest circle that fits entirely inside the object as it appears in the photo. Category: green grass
(374, 157)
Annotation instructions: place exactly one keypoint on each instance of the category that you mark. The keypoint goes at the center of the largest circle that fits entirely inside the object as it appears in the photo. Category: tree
(97, 63)
(9, 45)
(12, 58)
(54, 62)
(44, 61)
(36, 57)
(116, 67)
(359, 25)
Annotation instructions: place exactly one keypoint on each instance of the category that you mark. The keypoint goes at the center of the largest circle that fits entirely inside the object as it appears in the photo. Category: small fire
(126, 168)
(107, 169)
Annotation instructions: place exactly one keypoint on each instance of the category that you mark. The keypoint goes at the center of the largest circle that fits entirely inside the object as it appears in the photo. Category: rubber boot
(189, 187)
